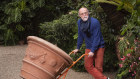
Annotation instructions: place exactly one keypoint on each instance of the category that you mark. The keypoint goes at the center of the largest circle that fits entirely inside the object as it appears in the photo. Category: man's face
(83, 13)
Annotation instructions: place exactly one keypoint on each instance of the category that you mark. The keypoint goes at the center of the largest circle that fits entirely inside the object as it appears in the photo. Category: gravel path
(11, 62)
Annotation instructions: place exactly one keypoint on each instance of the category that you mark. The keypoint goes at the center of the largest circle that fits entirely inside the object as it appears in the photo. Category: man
(89, 30)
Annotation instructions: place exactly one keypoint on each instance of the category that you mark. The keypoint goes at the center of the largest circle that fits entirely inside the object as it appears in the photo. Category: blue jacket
(93, 42)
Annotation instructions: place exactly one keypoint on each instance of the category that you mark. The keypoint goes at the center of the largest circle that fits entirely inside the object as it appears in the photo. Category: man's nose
(84, 14)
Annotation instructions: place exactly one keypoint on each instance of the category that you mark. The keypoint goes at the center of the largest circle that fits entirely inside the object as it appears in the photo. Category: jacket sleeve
(80, 36)
(96, 36)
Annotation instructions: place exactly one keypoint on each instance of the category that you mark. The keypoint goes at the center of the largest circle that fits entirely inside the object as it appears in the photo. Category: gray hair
(85, 8)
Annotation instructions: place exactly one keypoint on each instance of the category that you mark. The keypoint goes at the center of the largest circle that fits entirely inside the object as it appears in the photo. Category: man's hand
(90, 54)
(75, 51)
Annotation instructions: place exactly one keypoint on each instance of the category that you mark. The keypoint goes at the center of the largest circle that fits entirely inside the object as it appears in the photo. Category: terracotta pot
(43, 60)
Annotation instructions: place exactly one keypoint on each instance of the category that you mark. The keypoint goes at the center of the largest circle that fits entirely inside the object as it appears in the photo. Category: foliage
(130, 34)
(61, 31)
(128, 5)
(130, 64)
(22, 17)
(108, 2)
(13, 19)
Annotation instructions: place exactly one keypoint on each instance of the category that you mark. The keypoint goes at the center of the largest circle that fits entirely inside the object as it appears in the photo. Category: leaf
(120, 6)
(3, 27)
(19, 27)
(23, 4)
(122, 33)
(128, 51)
(75, 36)
(9, 35)
(33, 4)
(41, 3)
(16, 14)
(133, 2)
(123, 73)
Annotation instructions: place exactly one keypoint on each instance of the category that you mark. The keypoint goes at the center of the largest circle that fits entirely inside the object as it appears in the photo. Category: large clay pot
(43, 60)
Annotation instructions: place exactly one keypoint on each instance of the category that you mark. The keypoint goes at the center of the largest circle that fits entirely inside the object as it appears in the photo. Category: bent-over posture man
(89, 30)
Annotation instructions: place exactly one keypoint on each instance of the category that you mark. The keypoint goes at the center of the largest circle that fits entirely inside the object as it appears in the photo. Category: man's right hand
(75, 51)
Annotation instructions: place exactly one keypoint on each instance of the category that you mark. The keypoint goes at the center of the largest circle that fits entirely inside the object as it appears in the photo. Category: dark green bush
(21, 18)
(61, 31)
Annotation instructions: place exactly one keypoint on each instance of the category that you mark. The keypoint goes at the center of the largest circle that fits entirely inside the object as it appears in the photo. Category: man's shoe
(108, 78)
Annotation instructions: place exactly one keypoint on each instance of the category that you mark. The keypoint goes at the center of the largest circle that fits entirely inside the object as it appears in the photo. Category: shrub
(129, 43)
(130, 64)
(61, 31)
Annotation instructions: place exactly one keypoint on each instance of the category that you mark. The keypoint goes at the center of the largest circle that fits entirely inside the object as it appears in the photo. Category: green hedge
(61, 31)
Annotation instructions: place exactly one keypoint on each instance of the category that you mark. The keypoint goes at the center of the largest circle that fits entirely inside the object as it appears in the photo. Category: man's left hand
(90, 54)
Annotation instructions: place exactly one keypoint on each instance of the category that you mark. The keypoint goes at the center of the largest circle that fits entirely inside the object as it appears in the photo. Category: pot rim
(52, 47)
